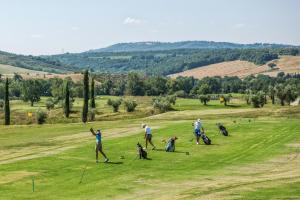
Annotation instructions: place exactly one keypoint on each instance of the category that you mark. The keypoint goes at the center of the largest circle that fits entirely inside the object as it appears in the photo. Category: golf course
(258, 160)
(150, 100)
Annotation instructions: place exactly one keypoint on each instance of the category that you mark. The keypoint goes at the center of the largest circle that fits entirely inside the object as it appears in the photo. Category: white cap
(198, 120)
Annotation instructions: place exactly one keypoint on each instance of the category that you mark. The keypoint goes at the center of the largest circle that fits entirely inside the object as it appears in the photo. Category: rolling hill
(150, 58)
(165, 62)
(162, 46)
(286, 64)
(8, 69)
(35, 63)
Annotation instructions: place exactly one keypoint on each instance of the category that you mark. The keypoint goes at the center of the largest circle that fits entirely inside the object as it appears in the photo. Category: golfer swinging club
(148, 135)
(99, 144)
(197, 130)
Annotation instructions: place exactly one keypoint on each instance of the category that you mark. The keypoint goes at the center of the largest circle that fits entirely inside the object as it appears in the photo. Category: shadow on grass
(233, 106)
(184, 152)
(144, 159)
(114, 163)
(159, 150)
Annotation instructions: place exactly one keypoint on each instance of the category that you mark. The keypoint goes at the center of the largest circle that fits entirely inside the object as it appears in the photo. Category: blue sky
(55, 26)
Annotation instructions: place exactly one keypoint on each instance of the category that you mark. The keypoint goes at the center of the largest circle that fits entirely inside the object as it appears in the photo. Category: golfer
(99, 144)
(148, 135)
(197, 130)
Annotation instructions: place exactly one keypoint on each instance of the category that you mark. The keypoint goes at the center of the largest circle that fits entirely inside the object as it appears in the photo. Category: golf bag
(223, 130)
(205, 139)
(141, 152)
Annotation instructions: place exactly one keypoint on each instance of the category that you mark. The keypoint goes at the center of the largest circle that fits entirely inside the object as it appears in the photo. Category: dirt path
(233, 181)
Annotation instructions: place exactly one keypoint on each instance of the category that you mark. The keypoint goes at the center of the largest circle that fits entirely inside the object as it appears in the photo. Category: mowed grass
(73, 174)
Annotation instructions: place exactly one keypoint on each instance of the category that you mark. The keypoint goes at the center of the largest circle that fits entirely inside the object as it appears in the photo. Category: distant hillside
(286, 64)
(8, 69)
(32, 63)
(143, 58)
(162, 46)
(166, 62)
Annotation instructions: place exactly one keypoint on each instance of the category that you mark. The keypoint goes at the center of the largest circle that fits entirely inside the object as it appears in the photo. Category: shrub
(258, 99)
(181, 93)
(161, 103)
(225, 99)
(50, 104)
(172, 99)
(130, 105)
(204, 99)
(290, 92)
(41, 116)
(272, 66)
(115, 104)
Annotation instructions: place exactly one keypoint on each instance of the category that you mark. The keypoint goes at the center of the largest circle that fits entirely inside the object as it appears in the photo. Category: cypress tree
(6, 104)
(85, 96)
(67, 101)
(93, 104)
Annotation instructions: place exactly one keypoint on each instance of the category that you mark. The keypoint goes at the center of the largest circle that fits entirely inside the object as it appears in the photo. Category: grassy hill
(8, 69)
(35, 63)
(286, 64)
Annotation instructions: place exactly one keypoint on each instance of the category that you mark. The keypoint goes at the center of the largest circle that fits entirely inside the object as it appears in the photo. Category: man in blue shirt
(99, 144)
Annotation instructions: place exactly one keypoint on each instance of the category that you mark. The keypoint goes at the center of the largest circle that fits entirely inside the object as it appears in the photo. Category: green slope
(32, 63)
(8, 69)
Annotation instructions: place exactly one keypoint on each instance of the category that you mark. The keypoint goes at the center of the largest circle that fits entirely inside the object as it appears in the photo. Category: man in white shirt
(148, 135)
(197, 130)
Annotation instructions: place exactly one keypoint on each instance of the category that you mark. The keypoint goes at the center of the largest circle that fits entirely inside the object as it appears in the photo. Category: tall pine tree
(6, 104)
(67, 101)
(85, 109)
(93, 104)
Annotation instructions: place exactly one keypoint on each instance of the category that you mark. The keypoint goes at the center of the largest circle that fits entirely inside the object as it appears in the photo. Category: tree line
(284, 89)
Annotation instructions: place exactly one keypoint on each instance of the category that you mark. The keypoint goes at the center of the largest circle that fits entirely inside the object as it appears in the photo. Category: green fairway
(257, 161)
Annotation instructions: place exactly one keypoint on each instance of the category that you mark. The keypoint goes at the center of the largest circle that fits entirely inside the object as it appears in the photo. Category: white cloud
(240, 25)
(36, 36)
(130, 20)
